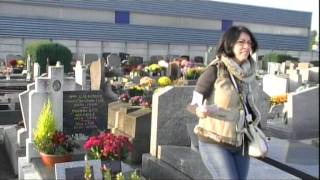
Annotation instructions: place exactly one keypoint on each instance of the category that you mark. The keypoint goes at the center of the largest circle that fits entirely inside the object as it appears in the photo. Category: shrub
(279, 58)
(40, 51)
(47, 138)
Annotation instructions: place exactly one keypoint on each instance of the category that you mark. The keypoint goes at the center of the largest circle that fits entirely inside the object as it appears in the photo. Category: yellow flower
(280, 99)
(164, 81)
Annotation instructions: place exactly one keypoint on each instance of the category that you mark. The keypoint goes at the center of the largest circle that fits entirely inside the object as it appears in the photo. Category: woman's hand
(201, 111)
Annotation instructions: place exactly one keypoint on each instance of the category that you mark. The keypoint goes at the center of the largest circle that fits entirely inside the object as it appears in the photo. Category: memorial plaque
(76, 169)
(76, 173)
(84, 112)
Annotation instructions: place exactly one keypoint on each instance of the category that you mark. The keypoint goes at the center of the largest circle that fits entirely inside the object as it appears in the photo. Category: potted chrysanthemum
(109, 148)
(53, 145)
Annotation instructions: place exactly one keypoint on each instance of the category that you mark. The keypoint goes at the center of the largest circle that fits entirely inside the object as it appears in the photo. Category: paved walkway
(6, 171)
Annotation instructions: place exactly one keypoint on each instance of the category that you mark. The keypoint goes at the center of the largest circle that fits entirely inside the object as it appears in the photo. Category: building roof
(191, 8)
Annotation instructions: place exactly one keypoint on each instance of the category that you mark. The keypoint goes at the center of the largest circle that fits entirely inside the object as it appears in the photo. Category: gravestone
(135, 123)
(121, 116)
(295, 80)
(275, 85)
(28, 78)
(80, 75)
(305, 73)
(138, 123)
(36, 70)
(50, 87)
(89, 58)
(113, 65)
(303, 113)
(292, 66)
(198, 59)
(273, 67)
(24, 104)
(314, 75)
(155, 58)
(97, 74)
(105, 55)
(75, 170)
(22, 134)
(300, 118)
(124, 56)
(283, 68)
(98, 81)
(170, 117)
(84, 112)
(173, 71)
(113, 112)
(135, 60)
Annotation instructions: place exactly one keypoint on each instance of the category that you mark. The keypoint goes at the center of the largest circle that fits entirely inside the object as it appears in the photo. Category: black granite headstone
(84, 112)
(76, 173)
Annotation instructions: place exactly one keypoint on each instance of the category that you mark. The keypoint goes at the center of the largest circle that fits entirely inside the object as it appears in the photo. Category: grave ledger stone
(84, 112)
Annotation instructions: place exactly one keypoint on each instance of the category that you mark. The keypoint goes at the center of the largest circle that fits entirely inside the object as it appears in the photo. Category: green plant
(47, 138)
(87, 172)
(120, 176)
(45, 129)
(41, 51)
(135, 176)
(106, 172)
(154, 68)
(135, 91)
(279, 58)
(193, 73)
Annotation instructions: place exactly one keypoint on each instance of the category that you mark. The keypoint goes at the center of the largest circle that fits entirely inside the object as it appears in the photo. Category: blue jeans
(224, 163)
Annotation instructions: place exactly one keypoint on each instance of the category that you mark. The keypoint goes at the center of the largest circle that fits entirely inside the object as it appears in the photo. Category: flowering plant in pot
(109, 148)
(54, 146)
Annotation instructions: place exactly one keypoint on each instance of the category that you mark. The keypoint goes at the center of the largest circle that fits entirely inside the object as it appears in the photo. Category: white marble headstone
(274, 85)
(50, 87)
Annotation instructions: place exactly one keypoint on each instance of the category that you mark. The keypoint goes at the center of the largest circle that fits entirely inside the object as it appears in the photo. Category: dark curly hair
(229, 39)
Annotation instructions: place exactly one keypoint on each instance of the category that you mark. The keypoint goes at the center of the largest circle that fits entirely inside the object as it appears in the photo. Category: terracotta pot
(49, 160)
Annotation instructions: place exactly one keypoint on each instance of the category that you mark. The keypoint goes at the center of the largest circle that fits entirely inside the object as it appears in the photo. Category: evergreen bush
(279, 58)
(43, 50)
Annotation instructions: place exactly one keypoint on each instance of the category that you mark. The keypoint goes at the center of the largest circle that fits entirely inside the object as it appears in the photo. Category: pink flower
(108, 146)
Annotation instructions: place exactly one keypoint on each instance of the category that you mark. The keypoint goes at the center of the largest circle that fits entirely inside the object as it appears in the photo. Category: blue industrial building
(146, 27)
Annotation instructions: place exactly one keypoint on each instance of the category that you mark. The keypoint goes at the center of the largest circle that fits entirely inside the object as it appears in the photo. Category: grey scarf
(244, 74)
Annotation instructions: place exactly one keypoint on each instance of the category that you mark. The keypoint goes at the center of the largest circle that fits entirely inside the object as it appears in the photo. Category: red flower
(108, 146)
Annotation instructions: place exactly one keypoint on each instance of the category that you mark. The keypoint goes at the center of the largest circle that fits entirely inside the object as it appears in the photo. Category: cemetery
(120, 116)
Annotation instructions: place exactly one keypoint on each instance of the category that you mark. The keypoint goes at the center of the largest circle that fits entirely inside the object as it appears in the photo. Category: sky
(299, 5)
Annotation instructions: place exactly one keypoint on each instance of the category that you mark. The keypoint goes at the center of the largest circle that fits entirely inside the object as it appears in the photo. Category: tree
(313, 39)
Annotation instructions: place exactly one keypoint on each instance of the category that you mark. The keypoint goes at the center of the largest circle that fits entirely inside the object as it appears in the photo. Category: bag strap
(248, 114)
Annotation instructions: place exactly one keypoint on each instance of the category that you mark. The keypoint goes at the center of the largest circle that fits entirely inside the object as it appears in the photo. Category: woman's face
(242, 47)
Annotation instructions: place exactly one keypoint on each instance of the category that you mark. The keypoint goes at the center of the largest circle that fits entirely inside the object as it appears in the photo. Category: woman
(221, 115)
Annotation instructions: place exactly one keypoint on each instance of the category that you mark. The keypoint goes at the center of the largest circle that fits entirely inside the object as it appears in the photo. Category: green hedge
(279, 58)
(41, 50)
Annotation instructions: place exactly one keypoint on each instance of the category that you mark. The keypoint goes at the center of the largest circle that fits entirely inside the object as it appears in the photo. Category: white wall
(173, 21)
(273, 29)
(16, 46)
(51, 12)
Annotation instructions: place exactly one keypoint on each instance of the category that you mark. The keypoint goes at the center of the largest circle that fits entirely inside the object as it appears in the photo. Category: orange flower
(280, 99)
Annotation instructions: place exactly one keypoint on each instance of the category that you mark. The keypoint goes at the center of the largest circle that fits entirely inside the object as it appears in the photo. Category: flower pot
(49, 160)
(114, 165)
